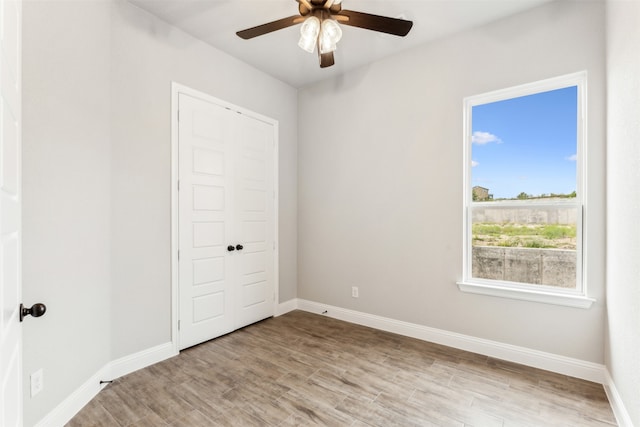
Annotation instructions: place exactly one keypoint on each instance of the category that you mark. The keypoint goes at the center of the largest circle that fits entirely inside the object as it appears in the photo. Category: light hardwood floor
(303, 369)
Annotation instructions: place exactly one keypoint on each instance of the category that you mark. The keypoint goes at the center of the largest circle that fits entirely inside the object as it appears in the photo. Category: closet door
(226, 220)
(206, 219)
(254, 207)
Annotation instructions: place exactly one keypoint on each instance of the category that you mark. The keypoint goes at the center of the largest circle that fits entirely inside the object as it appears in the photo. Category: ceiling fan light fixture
(307, 43)
(309, 34)
(326, 45)
(330, 35)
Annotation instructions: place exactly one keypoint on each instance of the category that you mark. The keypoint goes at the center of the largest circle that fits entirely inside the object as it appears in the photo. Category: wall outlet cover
(37, 382)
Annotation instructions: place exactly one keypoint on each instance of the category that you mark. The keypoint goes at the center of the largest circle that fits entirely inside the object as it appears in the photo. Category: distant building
(481, 193)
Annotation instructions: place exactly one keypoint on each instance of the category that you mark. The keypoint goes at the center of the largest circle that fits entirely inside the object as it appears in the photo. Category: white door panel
(206, 292)
(255, 215)
(226, 198)
(10, 211)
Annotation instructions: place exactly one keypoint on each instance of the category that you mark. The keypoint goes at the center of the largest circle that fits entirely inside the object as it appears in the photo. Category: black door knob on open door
(239, 247)
(36, 310)
(231, 248)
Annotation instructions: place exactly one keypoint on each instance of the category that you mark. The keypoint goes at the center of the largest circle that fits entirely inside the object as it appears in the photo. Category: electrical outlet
(354, 291)
(37, 382)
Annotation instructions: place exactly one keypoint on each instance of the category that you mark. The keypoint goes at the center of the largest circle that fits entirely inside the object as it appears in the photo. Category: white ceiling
(216, 22)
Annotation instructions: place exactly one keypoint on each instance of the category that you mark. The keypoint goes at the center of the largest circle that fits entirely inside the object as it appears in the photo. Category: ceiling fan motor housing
(307, 7)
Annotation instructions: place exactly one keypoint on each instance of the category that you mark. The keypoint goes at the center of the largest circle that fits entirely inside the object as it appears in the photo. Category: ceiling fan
(320, 26)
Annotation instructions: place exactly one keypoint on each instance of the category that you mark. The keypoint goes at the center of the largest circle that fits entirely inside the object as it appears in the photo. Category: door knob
(231, 248)
(239, 247)
(36, 310)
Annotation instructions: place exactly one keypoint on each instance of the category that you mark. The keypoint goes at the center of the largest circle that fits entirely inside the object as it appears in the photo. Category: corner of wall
(74, 403)
(617, 405)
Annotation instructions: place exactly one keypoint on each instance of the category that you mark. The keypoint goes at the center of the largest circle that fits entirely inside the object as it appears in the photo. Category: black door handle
(36, 310)
(231, 248)
(239, 247)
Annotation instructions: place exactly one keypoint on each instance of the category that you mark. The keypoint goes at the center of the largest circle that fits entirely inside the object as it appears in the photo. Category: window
(524, 192)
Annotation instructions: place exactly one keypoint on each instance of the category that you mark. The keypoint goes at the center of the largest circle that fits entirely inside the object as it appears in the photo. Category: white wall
(623, 201)
(97, 80)
(380, 180)
(66, 188)
(147, 55)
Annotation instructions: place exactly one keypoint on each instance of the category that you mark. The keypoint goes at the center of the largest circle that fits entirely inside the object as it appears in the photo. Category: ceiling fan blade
(326, 60)
(383, 24)
(269, 27)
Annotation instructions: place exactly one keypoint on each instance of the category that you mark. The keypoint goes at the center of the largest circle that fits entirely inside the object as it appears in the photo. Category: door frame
(11, 88)
(176, 90)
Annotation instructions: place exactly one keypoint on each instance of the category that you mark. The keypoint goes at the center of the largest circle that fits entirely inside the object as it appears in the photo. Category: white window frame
(530, 292)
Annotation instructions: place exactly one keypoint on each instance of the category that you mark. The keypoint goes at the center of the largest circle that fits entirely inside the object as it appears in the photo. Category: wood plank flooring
(303, 369)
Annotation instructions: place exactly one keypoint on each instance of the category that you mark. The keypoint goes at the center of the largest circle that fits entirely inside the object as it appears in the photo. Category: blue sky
(526, 144)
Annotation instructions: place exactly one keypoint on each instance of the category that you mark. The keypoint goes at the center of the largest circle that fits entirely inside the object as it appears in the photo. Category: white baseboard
(617, 406)
(66, 410)
(62, 413)
(126, 365)
(285, 307)
(538, 359)
(547, 361)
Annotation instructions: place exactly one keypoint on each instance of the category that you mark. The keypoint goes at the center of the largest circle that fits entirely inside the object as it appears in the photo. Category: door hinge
(178, 185)
(178, 325)
(178, 115)
(178, 254)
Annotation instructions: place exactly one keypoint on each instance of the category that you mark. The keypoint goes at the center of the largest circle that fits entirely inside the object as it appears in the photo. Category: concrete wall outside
(552, 267)
(528, 215)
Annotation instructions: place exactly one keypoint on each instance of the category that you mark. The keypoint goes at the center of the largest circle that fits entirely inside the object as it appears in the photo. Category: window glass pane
(530, 244)
(525, 147)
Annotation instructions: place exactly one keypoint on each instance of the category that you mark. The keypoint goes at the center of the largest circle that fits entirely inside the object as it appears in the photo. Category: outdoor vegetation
(552, 236)
(525, 196)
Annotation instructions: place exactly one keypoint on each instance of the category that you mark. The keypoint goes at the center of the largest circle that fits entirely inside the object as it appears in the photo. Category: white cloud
(474, 163)
(482, 138)
(572, 158)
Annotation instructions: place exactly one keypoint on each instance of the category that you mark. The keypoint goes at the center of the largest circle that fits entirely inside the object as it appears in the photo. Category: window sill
(577, 301)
